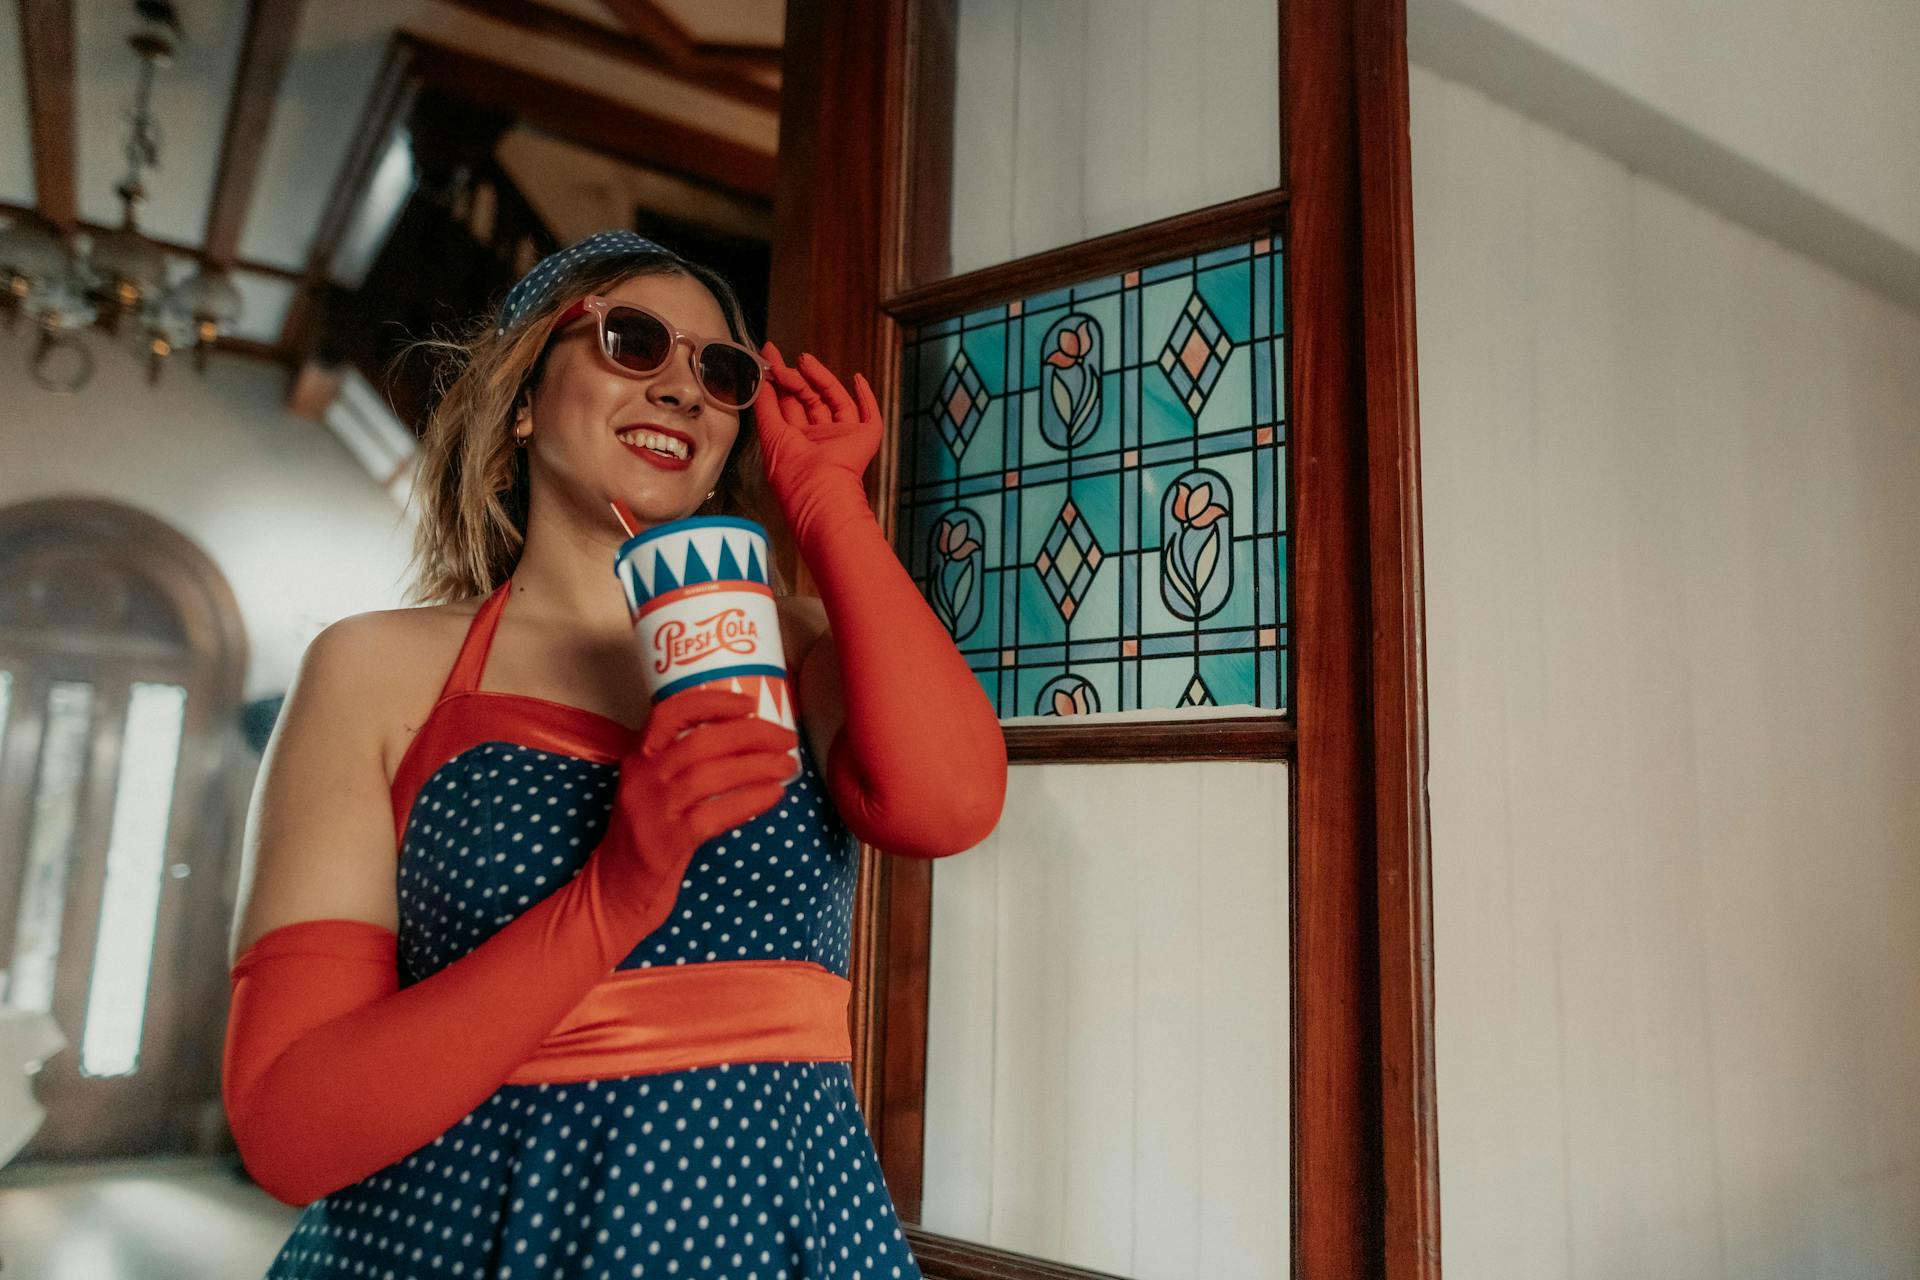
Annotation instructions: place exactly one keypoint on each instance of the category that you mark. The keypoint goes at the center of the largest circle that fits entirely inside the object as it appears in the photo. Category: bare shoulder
(320, 836)
(374, 676)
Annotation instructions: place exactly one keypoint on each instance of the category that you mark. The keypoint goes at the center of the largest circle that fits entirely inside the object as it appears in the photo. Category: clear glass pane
(56, 805)
(1041, 123)
(136, 852)
(1093, 489)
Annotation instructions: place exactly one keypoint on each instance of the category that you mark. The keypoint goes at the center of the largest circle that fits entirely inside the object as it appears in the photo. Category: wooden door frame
(1364, 1157)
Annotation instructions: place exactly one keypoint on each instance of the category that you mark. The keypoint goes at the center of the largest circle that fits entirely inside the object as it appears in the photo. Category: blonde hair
(471, 486)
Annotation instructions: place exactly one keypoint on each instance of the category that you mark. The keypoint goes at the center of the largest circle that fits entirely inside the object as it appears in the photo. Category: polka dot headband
(536, 287)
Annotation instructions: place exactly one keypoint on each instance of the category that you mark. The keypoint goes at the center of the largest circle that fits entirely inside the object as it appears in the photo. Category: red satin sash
(672, 1017)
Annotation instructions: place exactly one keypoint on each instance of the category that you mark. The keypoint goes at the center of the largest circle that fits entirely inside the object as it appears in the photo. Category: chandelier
(115, 281)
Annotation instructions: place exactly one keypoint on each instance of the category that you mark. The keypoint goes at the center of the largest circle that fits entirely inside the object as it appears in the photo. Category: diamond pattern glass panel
(1094, 488)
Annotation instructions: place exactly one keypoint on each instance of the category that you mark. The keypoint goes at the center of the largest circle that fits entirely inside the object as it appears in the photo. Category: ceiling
(708, 68)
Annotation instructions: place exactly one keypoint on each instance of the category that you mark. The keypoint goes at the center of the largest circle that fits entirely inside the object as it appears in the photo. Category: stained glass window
(1093, 488)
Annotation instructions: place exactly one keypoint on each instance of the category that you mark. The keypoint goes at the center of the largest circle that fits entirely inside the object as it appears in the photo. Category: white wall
(1107, 1024)
(301, 532)
(1670, 475)
(1822, 95)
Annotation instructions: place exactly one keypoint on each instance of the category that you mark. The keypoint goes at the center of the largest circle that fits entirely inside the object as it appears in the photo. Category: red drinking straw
(622, 514)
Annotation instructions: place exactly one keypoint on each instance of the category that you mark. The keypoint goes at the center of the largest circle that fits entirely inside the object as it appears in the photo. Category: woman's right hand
(704, 764)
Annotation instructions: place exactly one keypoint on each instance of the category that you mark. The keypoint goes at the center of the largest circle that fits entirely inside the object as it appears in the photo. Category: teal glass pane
(1106, 463)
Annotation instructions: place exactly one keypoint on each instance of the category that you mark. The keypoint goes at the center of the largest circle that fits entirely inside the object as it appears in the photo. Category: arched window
(121, 663)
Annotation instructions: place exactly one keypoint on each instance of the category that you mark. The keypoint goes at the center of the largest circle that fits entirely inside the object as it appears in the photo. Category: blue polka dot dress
(749, 1171)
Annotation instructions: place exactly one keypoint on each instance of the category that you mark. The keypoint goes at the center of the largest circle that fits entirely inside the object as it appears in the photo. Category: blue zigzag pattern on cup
(648, 576)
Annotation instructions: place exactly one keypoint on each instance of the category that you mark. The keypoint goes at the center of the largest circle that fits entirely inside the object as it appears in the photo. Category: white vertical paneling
(984, 62)
(1674, 651)
(1075, 118)
(1050, 125)
(1166, 1111)
(960, 1104)
(1098, 926)
(1239, 144)
(1119, 88)
(1244, 1030)
(1137, 1037)
(1480, 775)
(1027, 1167)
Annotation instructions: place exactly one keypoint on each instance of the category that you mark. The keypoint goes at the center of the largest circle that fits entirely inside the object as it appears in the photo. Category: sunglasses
(636, 340)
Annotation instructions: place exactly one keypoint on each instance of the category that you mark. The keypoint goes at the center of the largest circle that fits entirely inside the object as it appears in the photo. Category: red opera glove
(920, 766)
(332, 1071)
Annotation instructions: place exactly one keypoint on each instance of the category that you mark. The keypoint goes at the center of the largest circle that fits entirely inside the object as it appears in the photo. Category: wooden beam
(712, 66)
(656, 26)
(46, 49)
(539, 20)
(171, 246)
(272, 28)
(603, 124)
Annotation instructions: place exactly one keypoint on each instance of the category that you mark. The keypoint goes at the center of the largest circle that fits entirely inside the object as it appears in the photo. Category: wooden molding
(1403, 911)
(723, 67)
(700, 72)
(1262, 737)
(602, 124)
(272, 28)
(1209, 228)
(945, 1258)
(46, 50)
(1365, 1159)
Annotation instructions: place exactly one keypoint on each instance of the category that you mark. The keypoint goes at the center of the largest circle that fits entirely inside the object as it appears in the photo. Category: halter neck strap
(472, 662)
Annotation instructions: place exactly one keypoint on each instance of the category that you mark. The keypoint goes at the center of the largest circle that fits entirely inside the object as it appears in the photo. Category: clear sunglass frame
(599, 305)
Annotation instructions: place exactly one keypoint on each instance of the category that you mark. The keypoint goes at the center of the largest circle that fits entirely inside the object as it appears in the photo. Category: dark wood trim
(945, 1258)
(722, 67)
(703, 73)
(1365, 1159)
(1266, 737)
(171, 246)
(1195, 232)
(603, 124)
(1363, 1201)
(46, 52)
(1397, 656)
(1337, 1207)
(272, 28)
(833, 256)
(927, 218)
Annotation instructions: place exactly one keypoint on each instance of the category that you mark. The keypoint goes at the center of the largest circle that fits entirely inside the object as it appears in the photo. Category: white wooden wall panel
(1075, 118)
(1674, 663)
(1108, 1024)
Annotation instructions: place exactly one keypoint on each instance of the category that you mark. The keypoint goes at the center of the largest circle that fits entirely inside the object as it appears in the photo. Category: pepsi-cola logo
(729, 631)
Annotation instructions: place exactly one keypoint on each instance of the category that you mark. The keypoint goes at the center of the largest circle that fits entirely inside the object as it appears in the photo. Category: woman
(534, 978)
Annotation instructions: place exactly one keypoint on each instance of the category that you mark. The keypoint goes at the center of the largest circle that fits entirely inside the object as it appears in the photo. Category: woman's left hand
(817, 440)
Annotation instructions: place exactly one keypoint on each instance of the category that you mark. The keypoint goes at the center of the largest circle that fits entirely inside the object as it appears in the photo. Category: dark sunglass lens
(730, 375)
(637, 341)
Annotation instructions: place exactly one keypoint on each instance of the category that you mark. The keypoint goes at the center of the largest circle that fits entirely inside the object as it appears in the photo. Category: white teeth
(656, 441)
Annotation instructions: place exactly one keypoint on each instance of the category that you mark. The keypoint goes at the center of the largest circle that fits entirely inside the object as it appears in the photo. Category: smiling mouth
(657, 441)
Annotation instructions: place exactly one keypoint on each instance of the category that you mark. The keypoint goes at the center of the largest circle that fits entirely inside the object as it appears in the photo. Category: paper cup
(703, 613)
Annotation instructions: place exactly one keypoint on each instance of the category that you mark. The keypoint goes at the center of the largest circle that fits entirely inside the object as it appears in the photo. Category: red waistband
(673, 1017)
